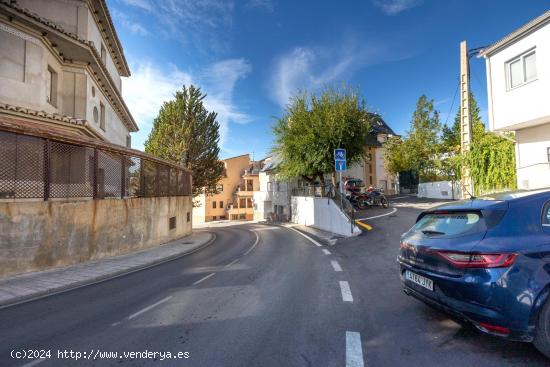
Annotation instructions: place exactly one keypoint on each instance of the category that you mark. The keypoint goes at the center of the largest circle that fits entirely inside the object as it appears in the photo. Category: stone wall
(39, 235)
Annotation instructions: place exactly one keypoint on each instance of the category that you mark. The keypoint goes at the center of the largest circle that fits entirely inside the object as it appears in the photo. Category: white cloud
(393, 7)
(202, 23)
(127, 23)
(150, 85)
(266, 5)
(144, 4)
(306, 68)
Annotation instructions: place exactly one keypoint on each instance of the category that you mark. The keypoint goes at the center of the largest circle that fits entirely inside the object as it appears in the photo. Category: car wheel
(542, 336)
(385, 203)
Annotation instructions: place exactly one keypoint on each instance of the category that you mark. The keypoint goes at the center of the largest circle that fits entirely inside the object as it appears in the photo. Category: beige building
(371, 169)
(61, 64)
(235, 198)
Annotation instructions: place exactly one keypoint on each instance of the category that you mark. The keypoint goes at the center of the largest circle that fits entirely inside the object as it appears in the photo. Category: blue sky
(250, 56)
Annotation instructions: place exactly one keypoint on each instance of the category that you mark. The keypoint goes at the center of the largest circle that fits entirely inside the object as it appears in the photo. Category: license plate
(420, 280)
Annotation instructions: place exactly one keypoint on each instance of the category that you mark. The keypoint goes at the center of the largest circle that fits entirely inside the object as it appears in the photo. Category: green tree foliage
(186, 133)
(491, 158)
(419, 150)
(434, 151)
(314, 125)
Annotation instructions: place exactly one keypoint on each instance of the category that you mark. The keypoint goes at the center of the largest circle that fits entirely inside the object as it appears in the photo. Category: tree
(314, 125)
(491, 158)
(420, 149)
(186, 133)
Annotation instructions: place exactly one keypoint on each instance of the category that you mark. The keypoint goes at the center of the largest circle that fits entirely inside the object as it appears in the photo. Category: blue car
(486, 261)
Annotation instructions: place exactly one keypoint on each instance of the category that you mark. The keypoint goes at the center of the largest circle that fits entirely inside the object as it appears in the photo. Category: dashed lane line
(335, 265)
(354, 350)
(326, 252)
(346, 291)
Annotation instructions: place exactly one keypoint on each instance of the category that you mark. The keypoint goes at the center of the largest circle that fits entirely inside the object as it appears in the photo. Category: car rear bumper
(469, 312)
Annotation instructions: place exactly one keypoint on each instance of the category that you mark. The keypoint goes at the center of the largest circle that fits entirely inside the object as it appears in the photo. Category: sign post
(340, 165)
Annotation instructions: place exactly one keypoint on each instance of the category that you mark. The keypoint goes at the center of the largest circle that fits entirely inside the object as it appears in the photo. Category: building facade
(371, 168)
(234, 200)
(273, 199)
(61, 64)
(518, 85)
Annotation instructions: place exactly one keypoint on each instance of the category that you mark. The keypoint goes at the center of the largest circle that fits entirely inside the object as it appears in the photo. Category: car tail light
(478, 260)
(493, 328)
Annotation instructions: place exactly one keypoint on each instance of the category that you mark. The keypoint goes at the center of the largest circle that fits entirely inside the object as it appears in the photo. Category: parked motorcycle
(376, 198)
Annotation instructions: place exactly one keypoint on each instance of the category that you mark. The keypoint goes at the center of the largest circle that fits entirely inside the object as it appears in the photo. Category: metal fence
(35, 167)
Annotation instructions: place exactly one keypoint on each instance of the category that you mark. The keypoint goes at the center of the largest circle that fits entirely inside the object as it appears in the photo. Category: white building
(518, 84)
(272, 201)
(61, 64)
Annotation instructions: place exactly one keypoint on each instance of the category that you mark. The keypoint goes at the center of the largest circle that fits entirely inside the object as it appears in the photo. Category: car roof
(492, 201)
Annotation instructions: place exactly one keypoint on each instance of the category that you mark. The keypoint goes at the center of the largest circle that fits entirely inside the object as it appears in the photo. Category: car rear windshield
(450, 224)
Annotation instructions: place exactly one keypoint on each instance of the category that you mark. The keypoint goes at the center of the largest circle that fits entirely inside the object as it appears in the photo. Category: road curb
(104, 277)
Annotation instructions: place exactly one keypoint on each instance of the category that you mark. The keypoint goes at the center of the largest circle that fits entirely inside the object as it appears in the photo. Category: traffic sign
(339, 154)
(340, 166)
(340, 159)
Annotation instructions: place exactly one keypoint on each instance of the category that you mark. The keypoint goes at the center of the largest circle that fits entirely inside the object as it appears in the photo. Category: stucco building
(273, 199)
(61, 64)
(518, 85)
(234, 200)
(371, 169)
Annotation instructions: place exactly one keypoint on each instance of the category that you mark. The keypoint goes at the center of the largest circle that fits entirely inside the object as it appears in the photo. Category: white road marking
(335, 265)
(149, 307)
(204, 278)
(232, 263)
(34, 363)
(379, 216)
(354, 351)
(346, 291)
(306, 236)
(326, 252)
(254, 245)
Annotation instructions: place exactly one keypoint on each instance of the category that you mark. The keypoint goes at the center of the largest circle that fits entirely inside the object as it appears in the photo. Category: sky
(251, 56)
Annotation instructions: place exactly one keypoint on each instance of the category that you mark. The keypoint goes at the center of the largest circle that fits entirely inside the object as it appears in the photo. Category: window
(522, 69)
(249, 185)
(270, 186)
(128, 141)
(188, 216)
(102, 116)
(51, 87)
(221, 204)
(213, 205)
(249, 202)
(548, 153)
(242, 203)
(172, 223)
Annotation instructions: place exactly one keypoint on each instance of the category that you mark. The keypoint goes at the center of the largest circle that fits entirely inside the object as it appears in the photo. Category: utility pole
(465, 121)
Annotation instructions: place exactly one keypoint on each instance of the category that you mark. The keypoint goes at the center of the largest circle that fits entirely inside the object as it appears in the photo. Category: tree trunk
(334, 180)
(322, 180)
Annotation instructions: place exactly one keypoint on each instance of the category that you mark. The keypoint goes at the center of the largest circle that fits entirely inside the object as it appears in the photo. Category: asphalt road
(274, 300)
(260, 296)
(398, 330)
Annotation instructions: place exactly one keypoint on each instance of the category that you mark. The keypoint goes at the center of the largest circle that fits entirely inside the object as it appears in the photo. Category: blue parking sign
(339, 154)
(340, 159)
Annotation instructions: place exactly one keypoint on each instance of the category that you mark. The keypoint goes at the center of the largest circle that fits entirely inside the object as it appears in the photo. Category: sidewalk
(33, 285)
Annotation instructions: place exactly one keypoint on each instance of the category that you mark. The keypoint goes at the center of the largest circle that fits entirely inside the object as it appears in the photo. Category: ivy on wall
(492, 164)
